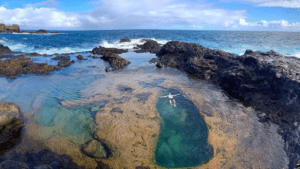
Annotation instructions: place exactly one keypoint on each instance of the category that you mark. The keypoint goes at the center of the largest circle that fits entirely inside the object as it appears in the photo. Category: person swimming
(171, 98)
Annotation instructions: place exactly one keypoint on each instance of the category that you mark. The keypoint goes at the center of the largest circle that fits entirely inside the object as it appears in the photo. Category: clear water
(183, 137)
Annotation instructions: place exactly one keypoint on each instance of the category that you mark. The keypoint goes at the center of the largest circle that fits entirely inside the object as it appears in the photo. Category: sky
(249, 15)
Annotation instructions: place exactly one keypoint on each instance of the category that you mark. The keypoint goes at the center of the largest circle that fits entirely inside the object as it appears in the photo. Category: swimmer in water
(171, 98)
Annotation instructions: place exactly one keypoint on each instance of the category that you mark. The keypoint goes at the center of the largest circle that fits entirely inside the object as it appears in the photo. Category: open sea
(46, 100)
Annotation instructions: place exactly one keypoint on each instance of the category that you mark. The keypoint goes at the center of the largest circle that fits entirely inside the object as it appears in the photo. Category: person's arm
(176, 94)
(163, 96)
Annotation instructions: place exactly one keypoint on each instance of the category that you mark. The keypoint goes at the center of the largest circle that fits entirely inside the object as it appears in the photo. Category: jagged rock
(159, 65)
(102, 50)
(11, 124)
(124, 40)
(64, 63)
(79, 57)
(61, 57)
(9, 29)
(16, 67)
(149, 46)
(115, 61)
(10, 164)
(94, 149)
(268, 81)
(4, 50)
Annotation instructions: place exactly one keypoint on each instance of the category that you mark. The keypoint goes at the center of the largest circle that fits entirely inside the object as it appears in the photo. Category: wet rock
(159, 65)
(94, 149)
(79, 57)
(61, 57)
(102, 50)
(269, 81)
(4, 50)
(107, 69)
(124, 40)
(143, 97)
(150, 46)
(153, 60)
(11, 124)
(73, 61)
(64, 63)
(44, 166)
(9, 164)
(115, 61)
(116, 110)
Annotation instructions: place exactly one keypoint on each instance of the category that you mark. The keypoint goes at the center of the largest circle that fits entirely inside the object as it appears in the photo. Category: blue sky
(264, 15)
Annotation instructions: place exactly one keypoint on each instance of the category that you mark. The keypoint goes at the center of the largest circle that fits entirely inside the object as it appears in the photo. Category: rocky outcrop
(64, 63)
(79, 57)
(115, 61)
(268, 81)
(94, 149)
(149, 46)
(11, 124)
(4, 50)
(9, 29)
(124, 40)
(102, 50)
(15, 67)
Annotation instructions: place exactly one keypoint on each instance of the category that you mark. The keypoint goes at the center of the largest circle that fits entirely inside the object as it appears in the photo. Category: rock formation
(102, 50)
(9, 29)
(268, 81)
(149, 46)
(4, 50)
(11, 124)
(115, 61)
(124, 40)
(61, 57)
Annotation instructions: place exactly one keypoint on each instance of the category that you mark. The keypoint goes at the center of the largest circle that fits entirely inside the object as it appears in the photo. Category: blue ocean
(61, 108)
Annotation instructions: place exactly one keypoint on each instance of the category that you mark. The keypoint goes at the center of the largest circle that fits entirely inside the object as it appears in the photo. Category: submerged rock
(124, 40)
(94, 149)
(16, 67)
(61, 57)
(64, 63)
(150, 46)
(11, 124)
(268, 81)
(10, 164)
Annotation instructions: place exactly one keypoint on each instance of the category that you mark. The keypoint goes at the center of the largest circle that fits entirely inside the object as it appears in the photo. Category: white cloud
(44, 3)
(277, 3)
(283, 24)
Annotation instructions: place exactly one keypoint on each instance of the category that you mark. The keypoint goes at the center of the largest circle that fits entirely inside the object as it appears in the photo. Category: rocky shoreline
(16, 29)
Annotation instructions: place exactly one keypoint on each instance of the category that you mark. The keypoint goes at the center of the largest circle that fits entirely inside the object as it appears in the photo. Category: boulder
(107, 69)
(10, 164)
(11, 124)
(159, 65)
(124, 40)
(94, 149)
(149, 46)
(64, 63)
(115, 61)
(4, 50)
(61, 57)
(79, 57)
(102, 50)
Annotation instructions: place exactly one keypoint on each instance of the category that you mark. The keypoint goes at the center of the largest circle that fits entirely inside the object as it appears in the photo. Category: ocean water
(236, 42)
(43, 94)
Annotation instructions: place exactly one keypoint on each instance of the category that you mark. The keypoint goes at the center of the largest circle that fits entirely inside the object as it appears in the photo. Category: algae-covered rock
(94, 149)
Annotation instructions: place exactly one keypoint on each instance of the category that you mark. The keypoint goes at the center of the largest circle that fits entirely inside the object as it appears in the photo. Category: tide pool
(183, 137)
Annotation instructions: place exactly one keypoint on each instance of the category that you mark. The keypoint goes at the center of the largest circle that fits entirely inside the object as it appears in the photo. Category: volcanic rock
(115, 61)
(9, 29)
(4, 50)
(61, 57)
(11, 124)
(149, 46)
(79, 57)
(102, 50)
(124, 40)
(41, 31)
(268, 81)
(64, 63)
(94, 149)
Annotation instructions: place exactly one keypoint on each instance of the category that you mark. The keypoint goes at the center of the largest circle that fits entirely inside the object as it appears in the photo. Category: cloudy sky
(265, 15)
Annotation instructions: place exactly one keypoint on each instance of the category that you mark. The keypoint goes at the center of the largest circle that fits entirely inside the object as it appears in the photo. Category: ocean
(59, 108)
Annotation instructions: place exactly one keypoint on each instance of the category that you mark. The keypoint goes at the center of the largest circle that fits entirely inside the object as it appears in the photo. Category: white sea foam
(129, 45)
(297, 54)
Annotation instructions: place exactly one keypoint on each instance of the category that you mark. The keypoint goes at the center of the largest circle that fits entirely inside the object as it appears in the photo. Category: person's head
(169, 93)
